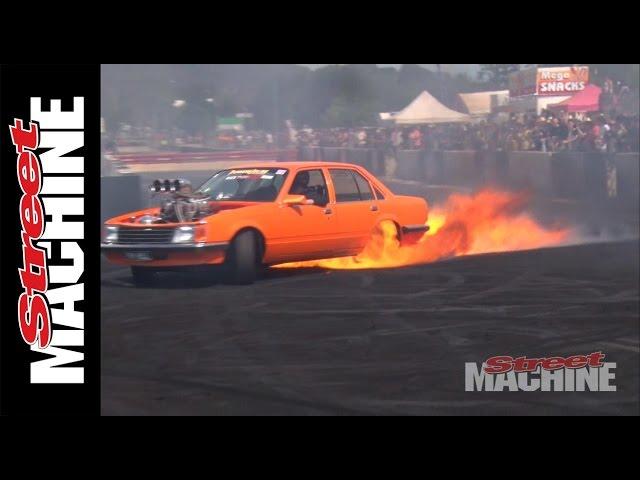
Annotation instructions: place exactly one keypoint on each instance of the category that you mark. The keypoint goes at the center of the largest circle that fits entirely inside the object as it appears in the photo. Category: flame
(488, 221)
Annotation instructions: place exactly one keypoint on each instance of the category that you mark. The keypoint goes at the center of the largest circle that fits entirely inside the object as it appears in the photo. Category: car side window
(363, 186)
(350, 185)
(311, 184)
(345, 185)
(379, 194)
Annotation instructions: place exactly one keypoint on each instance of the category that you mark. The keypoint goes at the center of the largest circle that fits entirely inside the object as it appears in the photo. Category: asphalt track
(315, 342)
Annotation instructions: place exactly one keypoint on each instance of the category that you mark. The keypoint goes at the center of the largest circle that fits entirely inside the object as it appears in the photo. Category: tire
(143, 276)
(377, 243)
(242, 261)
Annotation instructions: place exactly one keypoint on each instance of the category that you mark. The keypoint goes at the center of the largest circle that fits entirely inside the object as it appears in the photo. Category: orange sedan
(266, 214)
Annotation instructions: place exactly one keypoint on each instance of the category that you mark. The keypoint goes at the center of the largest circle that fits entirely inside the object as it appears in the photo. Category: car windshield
(247, 184)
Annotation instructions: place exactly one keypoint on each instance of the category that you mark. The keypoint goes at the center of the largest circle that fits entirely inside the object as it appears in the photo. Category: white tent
(426, 109)
(481, 103)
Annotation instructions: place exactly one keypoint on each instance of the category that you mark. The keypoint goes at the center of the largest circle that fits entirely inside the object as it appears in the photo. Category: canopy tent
(426, 109)
(386, 116)
(482, 103)
(587, 100)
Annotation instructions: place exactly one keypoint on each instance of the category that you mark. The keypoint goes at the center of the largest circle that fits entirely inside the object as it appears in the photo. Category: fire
(488, 221)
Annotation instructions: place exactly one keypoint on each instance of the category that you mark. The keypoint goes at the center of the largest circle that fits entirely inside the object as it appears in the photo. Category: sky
(470, 68)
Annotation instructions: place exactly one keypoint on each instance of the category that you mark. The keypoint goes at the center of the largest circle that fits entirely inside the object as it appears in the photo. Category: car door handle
(373, 208)
(327, 211)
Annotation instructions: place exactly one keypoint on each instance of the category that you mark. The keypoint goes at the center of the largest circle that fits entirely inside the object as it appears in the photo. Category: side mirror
(292, 200)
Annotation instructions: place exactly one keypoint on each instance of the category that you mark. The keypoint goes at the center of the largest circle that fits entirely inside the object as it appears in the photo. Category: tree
(497, 74)
(339, 113)
(329, 96)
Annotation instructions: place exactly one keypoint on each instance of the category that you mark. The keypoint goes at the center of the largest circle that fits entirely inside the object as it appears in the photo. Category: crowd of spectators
(548, 132)
(131, 136)
(613, 129)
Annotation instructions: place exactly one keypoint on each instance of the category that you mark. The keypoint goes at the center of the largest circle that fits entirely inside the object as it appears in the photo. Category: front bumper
(162, 247)
(165, 254)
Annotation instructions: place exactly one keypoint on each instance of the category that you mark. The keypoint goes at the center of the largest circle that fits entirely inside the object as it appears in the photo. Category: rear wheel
(243, 260)
(143, 276)
(384, 240)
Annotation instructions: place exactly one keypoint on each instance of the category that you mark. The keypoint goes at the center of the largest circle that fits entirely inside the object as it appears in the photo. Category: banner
(561, 81)
(50, 296)
(548, 81)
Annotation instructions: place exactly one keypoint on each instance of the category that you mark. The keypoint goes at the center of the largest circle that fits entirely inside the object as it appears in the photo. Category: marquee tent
(426, 109)
(481, 103)
(587, 100)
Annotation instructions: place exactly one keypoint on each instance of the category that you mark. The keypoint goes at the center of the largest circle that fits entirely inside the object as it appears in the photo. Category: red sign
(561, 80)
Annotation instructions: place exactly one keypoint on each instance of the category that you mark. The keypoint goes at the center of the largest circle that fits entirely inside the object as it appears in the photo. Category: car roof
(292, 165)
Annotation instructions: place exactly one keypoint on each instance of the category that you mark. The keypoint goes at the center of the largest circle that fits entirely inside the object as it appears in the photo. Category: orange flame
(489, 221)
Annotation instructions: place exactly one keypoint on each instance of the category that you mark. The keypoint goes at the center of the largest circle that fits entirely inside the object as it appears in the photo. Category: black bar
(18, 395)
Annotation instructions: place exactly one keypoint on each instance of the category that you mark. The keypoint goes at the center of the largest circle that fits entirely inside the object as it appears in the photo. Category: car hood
(217, 207)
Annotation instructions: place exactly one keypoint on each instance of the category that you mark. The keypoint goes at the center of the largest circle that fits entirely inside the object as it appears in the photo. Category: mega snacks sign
(559, 81)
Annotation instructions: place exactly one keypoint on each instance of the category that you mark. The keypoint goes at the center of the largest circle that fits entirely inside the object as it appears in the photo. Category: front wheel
(143, 276)
(242, 261)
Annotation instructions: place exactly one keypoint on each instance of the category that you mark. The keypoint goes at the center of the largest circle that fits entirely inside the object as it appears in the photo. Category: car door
(355, 207)
(305, 231)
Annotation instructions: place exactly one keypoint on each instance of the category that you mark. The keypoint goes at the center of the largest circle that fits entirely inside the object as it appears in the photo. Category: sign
(562, 80)
(548, 81)
(230, 123)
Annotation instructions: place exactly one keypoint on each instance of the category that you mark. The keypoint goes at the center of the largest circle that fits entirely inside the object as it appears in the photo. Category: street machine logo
(51, 217)
(577, 373)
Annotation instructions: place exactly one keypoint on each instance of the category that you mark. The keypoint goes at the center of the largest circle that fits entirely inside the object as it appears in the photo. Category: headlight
(110, 234)
(183, 235)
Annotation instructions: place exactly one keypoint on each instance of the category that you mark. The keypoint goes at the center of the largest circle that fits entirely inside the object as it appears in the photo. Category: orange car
(266, 214)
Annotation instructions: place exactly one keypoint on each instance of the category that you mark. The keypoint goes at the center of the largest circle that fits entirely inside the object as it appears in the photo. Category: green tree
(339, 113)
(330, 96)
(497, 74)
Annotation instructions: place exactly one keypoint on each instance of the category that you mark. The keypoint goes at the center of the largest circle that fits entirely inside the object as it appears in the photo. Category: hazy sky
(469, 68)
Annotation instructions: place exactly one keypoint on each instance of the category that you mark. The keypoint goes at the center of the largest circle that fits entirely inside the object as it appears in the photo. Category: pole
(276, 112)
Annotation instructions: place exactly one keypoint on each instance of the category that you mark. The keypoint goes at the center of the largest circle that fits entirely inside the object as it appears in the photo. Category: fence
(587, 177)
(188, 157)
(584, 176)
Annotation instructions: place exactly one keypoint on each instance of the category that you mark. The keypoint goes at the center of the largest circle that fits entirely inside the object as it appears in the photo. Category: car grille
(129, 235)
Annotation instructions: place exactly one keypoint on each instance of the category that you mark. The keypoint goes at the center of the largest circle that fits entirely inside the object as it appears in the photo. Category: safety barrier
(120, 194)
(627, 177)
(575, 175)
(531, 172)
(587, 177)
(192, 157)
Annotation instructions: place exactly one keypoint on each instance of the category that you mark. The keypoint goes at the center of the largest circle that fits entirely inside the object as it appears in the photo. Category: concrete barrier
(574, 175)
(359, 156)
(495, 168)
(530, 170)
(305, 154)
(462, 168)
(567, 175)
(433, 167)
(579, 175)
(410, 165)
(627, 178)
(332, 154)
(120, 195)
(206, 156)
(594, 167)
(378, 162)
